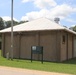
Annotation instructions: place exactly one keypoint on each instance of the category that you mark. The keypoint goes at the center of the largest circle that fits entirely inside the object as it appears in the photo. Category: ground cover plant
(63, 67)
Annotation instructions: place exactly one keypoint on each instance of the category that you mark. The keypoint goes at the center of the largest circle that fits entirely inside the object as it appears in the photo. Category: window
(63, 39)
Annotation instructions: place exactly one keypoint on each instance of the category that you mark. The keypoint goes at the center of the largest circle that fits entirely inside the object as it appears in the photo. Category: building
(58, 42)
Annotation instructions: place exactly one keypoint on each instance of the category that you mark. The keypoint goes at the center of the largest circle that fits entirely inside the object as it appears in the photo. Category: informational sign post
(36, 50)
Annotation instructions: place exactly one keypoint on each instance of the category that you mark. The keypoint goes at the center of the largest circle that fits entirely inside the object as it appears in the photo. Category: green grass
(64, 67)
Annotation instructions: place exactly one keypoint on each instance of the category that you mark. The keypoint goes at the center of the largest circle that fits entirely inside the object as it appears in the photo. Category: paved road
(17, 71)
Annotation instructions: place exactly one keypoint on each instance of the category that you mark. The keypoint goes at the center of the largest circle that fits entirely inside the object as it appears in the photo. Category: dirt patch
(19, 71)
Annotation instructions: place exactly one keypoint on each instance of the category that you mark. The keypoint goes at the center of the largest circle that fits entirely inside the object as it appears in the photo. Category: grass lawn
(64, 67)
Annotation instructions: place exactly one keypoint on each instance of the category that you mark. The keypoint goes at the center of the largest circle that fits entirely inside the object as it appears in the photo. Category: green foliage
(64, 67)
(65, 26)
(22, 22)
(74, 28)
(8, 23)
(1, 24)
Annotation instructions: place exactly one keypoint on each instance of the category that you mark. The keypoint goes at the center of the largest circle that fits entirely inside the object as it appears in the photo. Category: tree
(22, 22)
(73, 28)
(1, 24)
(65, 26)
(8, 23)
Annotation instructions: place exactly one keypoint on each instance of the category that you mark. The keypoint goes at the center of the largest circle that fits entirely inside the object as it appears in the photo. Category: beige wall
(26, 42)
(16, 46)
(70, 46)
(2, 46)
(49, 41)
(67, 47)
(74, 47)
(7, 44)
(53, 47)
(63, 46)
(22, 45)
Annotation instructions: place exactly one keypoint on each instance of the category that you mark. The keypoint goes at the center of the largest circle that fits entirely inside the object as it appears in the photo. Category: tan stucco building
(58, 42)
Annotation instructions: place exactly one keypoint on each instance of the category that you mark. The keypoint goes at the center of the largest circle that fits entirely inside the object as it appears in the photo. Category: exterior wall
(48, 39)
(6, 45)
(50, 43)
(2, 46)
(67, 46)
(70, 50)
(63, 46)
(16, 46)
(27, 40)
(74, 52)
(54, 49)
(22, 45)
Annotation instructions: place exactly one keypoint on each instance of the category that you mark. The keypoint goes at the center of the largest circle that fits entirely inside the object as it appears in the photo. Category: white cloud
(7, 18)
(24, 1)
(73, 25)
(36, 14)
(41, 3)
(61, 11)
(24, 18)
(44, 3)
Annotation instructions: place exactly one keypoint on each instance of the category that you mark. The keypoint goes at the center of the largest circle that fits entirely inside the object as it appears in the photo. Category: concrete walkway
(18, 71)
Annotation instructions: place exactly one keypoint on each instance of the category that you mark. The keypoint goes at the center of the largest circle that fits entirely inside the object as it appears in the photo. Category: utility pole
(11, 29)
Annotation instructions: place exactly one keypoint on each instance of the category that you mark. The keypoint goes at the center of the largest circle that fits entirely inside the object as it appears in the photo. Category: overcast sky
(33, 9)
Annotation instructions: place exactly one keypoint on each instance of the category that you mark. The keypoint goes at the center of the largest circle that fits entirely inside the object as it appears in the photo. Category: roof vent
(57, 20)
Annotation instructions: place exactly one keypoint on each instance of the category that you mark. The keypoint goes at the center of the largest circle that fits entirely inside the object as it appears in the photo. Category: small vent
(57, 20)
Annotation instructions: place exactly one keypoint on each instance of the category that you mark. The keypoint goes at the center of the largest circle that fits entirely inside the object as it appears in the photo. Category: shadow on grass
(70, 61)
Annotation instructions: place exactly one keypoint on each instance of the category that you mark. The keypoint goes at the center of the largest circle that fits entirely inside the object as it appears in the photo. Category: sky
(33, 9)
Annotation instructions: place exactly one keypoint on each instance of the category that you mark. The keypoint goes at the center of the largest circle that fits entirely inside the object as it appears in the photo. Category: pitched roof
(37, 25)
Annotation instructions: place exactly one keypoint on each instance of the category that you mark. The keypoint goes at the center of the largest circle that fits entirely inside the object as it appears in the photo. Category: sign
(36, 50)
